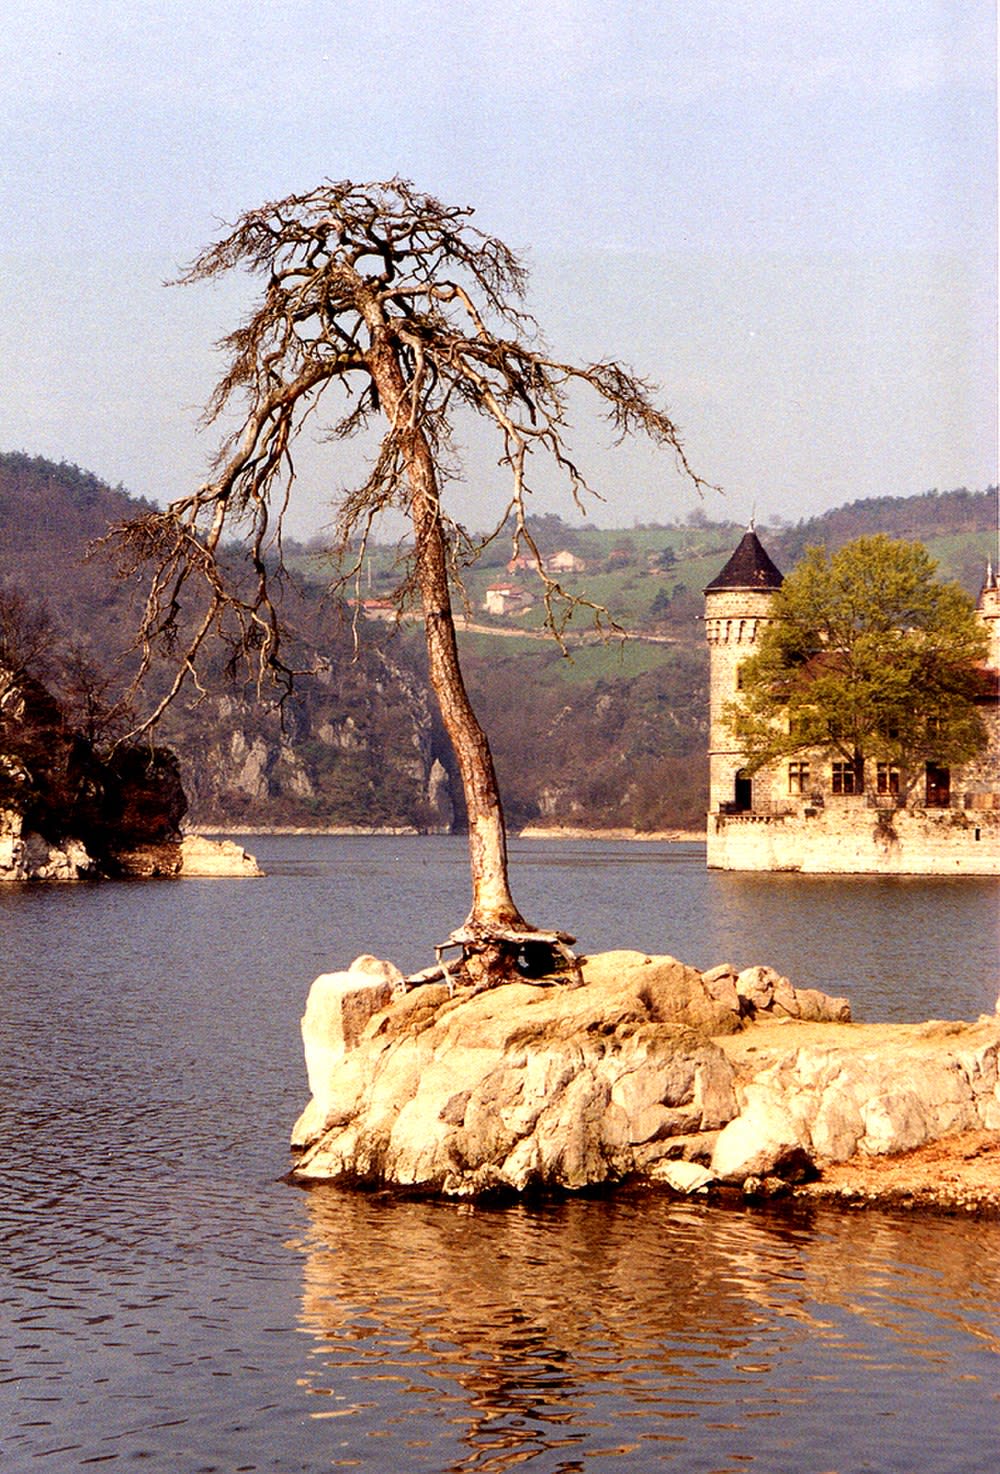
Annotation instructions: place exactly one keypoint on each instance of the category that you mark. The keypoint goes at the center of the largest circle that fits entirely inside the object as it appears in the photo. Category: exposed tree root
(492, 955)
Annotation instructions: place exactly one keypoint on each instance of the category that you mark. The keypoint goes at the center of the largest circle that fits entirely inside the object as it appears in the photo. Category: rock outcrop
(826, 1095)
(192, 856)
(70, 812)
(26, 855)
(534, 1086)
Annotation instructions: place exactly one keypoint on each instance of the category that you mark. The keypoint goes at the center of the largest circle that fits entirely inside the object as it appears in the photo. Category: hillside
(356, 744)
(609, 735)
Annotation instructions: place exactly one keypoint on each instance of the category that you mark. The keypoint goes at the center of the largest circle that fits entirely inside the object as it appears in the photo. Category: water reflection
(645, 1333)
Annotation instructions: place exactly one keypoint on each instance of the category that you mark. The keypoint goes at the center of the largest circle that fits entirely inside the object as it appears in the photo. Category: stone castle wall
(734, 620)
(858, 840)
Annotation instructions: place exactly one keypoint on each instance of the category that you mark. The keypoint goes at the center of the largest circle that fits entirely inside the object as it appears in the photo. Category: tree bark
(493, 906)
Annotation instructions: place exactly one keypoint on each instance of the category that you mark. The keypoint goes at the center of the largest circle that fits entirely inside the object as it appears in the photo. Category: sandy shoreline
(955, 1175)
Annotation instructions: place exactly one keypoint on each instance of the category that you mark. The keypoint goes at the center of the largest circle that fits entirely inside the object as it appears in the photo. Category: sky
(783, 213)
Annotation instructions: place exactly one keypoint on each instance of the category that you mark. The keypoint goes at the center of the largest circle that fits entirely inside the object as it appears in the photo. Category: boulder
(762, 991)
(203, 857)
(338, 1008)
(763, 1140)
(682, 1176)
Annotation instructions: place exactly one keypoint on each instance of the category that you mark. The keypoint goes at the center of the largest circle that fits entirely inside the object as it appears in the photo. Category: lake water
(168, 1303)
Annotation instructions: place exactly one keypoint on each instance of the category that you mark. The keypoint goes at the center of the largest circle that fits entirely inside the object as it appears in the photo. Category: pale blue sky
(783, 212)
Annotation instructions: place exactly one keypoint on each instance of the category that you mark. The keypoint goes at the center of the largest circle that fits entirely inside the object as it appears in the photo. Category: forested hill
(48, 510)
(356, 744)
(49, 516)
(613, 737)
(934, 517)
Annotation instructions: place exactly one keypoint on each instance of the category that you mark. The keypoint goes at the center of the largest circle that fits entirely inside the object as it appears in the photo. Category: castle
(803, 813)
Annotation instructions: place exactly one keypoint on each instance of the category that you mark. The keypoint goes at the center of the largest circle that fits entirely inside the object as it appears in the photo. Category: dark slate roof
(748, 568)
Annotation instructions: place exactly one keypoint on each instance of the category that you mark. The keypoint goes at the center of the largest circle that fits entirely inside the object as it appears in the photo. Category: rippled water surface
(167, 1302)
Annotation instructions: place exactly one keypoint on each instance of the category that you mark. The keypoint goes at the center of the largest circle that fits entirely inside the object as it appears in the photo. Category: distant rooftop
(748, 568)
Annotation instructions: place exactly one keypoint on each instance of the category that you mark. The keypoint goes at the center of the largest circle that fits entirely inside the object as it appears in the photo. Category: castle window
(886, 778)
(798, 777)
(938, 787)
(845, 778)
(739, 677)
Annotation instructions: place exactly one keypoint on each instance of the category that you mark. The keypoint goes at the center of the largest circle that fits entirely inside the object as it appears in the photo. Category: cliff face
(356, 743)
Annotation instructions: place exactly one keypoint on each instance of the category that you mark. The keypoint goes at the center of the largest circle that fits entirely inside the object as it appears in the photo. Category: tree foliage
(868, 657)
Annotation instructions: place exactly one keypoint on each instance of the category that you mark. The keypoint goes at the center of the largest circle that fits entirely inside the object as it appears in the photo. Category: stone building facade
(803, 813)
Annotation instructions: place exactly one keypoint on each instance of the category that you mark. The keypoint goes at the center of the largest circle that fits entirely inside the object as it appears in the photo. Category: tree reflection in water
(643, 1332)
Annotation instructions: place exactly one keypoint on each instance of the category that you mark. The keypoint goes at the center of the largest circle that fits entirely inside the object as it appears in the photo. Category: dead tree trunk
(493, 916)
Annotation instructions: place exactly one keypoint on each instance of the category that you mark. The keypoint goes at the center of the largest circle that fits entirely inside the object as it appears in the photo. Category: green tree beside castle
(870, 661)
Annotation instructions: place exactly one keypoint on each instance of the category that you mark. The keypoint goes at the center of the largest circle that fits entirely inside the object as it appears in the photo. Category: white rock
(338, 1009)
(683, 1177)
(894, 1121)
(25, 855)
(756, 985)
(550, 1086)
(761, 1140)
(205, 857)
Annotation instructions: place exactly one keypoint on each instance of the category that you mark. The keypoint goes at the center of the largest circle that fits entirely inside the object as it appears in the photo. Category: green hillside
(607, 734)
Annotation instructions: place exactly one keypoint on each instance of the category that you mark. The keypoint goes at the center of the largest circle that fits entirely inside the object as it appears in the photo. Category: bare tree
(400, 303)
(27, 639)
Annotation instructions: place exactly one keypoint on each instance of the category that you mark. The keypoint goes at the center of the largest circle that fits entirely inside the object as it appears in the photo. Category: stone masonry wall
(855, 842)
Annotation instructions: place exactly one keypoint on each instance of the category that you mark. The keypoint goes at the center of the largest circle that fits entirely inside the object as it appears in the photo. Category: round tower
(738, 605)
(988, 609)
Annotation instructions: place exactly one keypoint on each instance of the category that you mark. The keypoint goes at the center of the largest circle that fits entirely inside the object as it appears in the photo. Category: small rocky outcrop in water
(530, 1085)
(68, 813)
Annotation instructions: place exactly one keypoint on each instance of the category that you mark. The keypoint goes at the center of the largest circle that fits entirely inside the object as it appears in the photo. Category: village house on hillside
(808, 812)
(384, 609)
(506, 598)
(564, 562)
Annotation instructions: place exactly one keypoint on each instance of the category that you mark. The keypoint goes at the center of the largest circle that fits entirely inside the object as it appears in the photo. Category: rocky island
(641, 1068)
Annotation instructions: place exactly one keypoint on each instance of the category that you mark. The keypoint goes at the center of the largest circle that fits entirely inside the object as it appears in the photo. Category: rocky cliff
(356, 744)
(70, 812)
(649, 1069)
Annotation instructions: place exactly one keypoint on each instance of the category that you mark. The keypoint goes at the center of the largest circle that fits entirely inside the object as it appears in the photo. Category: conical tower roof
(748, 568)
